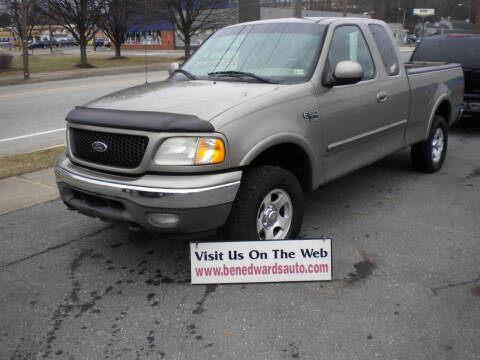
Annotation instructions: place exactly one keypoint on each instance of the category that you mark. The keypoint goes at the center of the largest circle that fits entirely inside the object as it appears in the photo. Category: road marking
(31, 135)
(100, 83)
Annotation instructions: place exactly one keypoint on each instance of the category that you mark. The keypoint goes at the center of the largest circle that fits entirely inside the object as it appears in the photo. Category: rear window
(465, 51)
(386, 49)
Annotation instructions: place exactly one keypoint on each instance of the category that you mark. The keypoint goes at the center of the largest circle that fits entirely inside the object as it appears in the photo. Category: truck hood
(201, 98)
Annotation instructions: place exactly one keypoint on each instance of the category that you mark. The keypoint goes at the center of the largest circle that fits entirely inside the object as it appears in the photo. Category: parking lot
(406, 269)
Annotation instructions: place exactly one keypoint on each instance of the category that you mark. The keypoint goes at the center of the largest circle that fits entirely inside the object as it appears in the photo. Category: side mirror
(346, 73)
(173, 66)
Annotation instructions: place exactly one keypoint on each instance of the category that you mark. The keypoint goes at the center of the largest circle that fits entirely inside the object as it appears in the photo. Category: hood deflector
(138, 120)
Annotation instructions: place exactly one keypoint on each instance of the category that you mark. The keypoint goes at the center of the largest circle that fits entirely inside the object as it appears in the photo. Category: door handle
(382, 97)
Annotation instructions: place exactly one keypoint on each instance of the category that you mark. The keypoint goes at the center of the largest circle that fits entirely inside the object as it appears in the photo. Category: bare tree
(80, 17)
(117, 17)
(195, 16)
(12, 14)
(4, 18)
(249, 10)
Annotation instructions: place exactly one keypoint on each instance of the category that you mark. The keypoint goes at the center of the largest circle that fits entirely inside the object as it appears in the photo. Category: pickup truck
(260, 114)
(463, 49)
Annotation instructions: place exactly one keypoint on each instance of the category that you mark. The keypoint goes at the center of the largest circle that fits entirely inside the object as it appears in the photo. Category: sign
(424, 12)
(261, 261)
(353, 46)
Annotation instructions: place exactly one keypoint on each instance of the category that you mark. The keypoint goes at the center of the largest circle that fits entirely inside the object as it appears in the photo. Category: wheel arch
(443, 107)
(290, 151)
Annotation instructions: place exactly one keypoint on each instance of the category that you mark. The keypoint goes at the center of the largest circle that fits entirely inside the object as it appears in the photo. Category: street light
(404, 15)
(469, 8)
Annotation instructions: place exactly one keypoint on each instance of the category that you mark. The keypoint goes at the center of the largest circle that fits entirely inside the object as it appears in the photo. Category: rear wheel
(269, 206)
(429, 155)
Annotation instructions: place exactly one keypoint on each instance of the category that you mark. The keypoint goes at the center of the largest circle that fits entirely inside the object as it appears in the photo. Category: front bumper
(163, 203)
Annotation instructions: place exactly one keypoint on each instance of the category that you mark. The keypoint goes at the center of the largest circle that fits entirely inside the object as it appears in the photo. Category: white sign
(261, 261)
(424, 12)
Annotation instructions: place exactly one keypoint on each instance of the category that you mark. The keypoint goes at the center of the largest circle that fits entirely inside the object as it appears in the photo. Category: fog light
(166, 221)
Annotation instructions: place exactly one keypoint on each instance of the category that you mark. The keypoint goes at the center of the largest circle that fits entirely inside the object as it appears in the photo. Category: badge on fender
(311, 115)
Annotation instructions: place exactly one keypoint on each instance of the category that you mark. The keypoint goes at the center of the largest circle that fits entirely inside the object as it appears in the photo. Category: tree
(12, 15)
(117, 17)
(4, 19)
(195, 16)
(80, 17)
(249, 10)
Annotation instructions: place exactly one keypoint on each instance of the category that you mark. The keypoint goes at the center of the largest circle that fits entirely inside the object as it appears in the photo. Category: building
(286, 12)
(154, 35)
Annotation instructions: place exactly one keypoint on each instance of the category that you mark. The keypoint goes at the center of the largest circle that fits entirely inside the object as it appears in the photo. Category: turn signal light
(209, 151)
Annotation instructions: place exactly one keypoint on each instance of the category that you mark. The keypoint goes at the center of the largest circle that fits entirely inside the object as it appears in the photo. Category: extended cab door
(365, 121)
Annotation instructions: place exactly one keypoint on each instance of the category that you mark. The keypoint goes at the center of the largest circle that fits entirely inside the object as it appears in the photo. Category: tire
(268, 206)
(429, 155)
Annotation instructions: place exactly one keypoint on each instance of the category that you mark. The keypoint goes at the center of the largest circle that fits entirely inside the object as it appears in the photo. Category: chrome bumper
(198, 202)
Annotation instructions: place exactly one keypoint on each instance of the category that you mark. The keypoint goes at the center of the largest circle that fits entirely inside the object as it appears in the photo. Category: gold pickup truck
(261, 113)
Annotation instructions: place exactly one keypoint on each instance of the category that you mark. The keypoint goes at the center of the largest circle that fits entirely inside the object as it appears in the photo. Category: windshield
(277, 52)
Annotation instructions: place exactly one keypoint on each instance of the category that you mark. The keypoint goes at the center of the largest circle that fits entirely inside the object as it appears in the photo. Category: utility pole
(478, 15)
(297, 8)
(26, 71)
(50, 38)
(345, 6)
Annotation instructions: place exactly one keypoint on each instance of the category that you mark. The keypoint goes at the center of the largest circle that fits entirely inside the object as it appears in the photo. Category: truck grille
(123, 151)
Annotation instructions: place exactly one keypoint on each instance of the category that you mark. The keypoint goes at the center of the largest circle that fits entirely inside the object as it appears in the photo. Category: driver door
(356, 116)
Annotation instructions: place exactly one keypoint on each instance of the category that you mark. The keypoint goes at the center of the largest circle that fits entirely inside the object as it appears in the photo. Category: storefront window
(143, 37)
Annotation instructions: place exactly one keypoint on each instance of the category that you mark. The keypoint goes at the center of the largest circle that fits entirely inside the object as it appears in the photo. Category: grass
(52, 63)
(24, 163)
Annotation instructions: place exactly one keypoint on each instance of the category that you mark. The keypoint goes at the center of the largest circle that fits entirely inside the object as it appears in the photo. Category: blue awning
(153, 25)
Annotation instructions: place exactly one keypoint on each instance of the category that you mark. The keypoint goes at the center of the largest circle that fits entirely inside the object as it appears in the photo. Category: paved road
(32, 116)
(406, 264)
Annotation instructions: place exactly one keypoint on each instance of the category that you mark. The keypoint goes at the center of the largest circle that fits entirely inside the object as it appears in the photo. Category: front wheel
(429, 155)
(269, 206)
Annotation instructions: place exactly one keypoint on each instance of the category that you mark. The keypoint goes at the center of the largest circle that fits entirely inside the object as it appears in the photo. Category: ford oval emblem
(99, 146)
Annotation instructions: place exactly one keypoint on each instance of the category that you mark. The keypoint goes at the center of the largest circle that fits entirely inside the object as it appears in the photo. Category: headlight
(190, 151)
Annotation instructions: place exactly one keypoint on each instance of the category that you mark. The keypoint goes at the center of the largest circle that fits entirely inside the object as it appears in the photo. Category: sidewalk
(21, 191)
(407, 48)
(80, 73)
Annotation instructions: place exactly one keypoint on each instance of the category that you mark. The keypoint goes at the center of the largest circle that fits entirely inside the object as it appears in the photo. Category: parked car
(459, 48)
(68, 42)
(38, 45)
(237, 134)
(98, 42)
(411, 39)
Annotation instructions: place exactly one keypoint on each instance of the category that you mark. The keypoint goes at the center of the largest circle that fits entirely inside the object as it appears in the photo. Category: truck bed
(416, 67)
(429, 80)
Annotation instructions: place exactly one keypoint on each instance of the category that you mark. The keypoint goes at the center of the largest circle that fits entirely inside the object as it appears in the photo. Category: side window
(385, 46)
(349, 44)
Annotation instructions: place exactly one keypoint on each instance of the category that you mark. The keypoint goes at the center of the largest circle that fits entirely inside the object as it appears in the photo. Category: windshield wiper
(186, 73)
(233, 73)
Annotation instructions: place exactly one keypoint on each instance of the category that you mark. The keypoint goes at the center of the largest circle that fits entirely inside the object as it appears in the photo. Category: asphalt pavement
(406, 269)
(32, 116)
